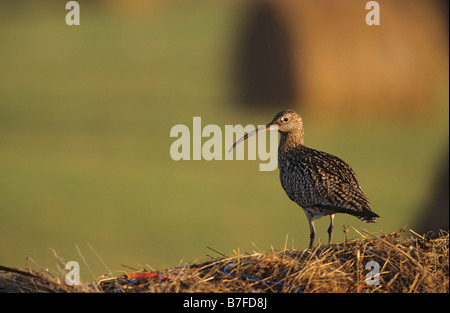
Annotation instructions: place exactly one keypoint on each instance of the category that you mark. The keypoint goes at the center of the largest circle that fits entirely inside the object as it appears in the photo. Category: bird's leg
(331, 229)
(312, 235)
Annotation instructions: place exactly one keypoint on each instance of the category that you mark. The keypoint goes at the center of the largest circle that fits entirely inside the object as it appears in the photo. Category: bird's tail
(368, 219)
(369, 216)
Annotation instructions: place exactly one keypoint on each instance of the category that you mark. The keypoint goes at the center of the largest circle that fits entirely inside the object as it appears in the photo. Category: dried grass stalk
(415, 264)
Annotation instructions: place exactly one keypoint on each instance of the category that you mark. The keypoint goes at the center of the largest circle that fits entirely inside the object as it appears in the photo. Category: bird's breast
(296, 180)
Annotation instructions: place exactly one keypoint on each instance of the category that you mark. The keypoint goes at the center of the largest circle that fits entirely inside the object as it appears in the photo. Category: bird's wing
(337, 184)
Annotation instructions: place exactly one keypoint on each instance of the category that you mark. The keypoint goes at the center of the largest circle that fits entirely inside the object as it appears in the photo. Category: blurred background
(86, 112)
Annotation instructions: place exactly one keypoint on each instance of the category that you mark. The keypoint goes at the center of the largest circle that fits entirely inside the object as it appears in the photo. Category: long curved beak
(256, 131)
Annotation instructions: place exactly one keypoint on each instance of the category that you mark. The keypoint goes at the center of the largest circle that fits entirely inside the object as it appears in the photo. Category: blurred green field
(85, 116)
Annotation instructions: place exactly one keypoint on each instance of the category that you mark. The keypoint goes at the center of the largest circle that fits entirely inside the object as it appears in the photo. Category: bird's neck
(291, 140)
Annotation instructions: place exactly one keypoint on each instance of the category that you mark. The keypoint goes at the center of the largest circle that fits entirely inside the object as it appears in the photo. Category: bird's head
(285, 122)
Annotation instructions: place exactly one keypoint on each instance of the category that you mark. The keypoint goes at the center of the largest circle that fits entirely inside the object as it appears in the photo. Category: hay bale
(415, 264)
(343, 67)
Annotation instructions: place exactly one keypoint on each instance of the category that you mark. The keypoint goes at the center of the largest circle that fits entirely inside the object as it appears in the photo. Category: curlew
(320, 183)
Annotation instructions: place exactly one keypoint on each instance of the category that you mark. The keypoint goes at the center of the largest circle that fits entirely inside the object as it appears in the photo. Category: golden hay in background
(334, 64)
(417, 264)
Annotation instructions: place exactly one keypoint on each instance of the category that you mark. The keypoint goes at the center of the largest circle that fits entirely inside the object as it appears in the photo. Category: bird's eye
(285, 119)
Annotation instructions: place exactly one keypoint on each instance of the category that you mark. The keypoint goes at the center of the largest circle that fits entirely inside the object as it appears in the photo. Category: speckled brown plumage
(320, 183)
